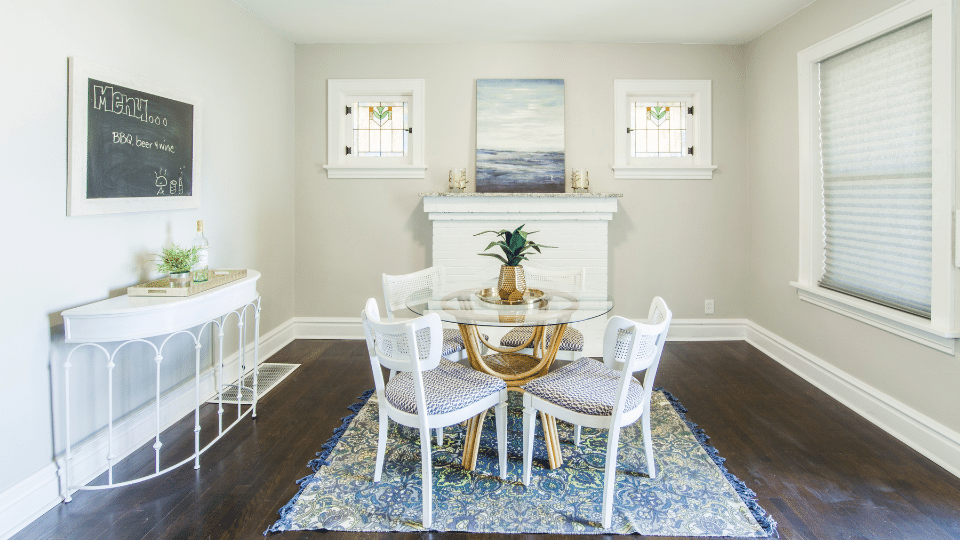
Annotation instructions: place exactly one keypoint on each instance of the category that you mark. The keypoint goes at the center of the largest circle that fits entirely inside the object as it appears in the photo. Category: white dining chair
(428, 391)
(568, 281)
(397, 289)
(604, 395)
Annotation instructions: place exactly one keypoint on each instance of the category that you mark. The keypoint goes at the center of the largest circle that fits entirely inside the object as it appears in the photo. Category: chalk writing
(106, 99)
(120, 137)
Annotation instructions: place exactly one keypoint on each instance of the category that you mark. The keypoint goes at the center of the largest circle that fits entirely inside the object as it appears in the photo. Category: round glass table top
(482, 306)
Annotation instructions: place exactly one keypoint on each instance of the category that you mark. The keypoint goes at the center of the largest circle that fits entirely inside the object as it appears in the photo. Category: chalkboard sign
(134, 145)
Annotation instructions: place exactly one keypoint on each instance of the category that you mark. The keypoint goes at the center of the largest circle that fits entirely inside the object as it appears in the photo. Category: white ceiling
(514, 21)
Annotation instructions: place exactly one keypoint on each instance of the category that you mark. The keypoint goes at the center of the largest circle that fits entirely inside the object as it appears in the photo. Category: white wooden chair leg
(529, 425)
(648, 443)
(576, 435)
(501, 413)
(439, 436)
(427, 478)
(381, 443)
(610, 476)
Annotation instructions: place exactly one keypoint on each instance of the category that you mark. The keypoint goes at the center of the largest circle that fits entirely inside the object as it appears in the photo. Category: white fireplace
(576, 223)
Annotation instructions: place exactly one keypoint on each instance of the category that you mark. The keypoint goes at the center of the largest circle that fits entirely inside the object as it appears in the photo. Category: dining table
(542, 309)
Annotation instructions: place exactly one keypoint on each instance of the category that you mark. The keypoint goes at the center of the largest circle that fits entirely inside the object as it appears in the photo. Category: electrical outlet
(708, 307)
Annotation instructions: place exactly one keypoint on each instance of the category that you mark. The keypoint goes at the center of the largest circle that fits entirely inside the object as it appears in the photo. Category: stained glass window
(658, 129)
(380, 128)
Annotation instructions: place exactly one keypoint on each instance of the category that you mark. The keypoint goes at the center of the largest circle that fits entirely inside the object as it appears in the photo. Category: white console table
(126, 319)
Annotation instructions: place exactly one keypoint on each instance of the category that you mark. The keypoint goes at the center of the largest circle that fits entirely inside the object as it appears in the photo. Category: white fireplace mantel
(520, 206)
(575, 223)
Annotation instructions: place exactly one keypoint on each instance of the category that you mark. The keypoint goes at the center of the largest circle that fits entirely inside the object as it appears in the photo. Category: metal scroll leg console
(244, 369)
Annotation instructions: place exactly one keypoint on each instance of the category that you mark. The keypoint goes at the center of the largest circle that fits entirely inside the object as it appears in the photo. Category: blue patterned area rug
(692, 495)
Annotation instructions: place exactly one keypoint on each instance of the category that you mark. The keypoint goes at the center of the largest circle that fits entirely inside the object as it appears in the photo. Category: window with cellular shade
(876, 159)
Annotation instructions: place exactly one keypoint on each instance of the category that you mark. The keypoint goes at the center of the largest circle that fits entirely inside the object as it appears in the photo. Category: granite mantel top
(545, 195)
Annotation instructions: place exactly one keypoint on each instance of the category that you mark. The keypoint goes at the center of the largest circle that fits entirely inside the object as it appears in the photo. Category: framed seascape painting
(520, 145)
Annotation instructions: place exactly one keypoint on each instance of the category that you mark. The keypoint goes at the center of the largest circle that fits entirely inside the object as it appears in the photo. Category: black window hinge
(409, 130)
(630, 130)
(689, 110)
(349, 110)
(349, 150)
(690, 150)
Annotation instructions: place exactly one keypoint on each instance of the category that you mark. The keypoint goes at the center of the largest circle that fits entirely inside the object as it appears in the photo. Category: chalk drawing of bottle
(176, 187)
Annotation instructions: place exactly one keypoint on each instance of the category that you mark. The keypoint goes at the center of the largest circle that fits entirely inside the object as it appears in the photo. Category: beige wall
(243, 72)
(917, 376)
(683, 240)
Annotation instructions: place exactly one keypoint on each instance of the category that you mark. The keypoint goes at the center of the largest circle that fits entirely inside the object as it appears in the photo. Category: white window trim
(697, 94)
(339, 96)
(940, 331)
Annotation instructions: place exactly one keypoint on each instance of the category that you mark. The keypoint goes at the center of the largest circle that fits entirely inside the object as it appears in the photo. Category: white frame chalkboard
(80, 71)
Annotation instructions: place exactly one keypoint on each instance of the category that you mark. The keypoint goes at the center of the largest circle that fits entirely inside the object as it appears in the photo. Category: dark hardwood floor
(821, 470)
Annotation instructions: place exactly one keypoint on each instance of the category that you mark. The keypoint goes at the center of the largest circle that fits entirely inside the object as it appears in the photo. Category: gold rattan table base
(511, 365)
(516, 369)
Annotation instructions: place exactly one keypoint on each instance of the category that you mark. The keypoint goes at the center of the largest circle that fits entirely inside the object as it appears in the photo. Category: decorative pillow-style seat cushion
(453, 341)
(572, 338)
(585, 386)
(447, 387)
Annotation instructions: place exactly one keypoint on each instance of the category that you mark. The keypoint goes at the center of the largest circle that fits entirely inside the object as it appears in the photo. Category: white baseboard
(26, 501)
(935, 441)
(706, 329)
(41, 491)
(328, 327)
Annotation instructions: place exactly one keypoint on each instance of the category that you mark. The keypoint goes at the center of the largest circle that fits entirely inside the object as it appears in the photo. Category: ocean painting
(520, 145)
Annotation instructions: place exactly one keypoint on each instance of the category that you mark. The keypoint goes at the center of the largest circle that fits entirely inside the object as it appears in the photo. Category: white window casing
(694, 93)
(940, 330)
(342, 93)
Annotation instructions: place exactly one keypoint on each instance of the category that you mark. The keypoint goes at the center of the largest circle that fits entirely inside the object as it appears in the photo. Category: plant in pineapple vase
(514, 245)
(178, 262)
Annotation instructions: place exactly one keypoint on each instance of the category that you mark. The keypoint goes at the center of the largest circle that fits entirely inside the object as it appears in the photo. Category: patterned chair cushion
(453, 341)
(447, 387)
(572, 338)
(585, 386)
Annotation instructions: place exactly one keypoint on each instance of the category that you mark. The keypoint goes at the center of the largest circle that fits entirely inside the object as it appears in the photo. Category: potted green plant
(178, 262)
(515, 245)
